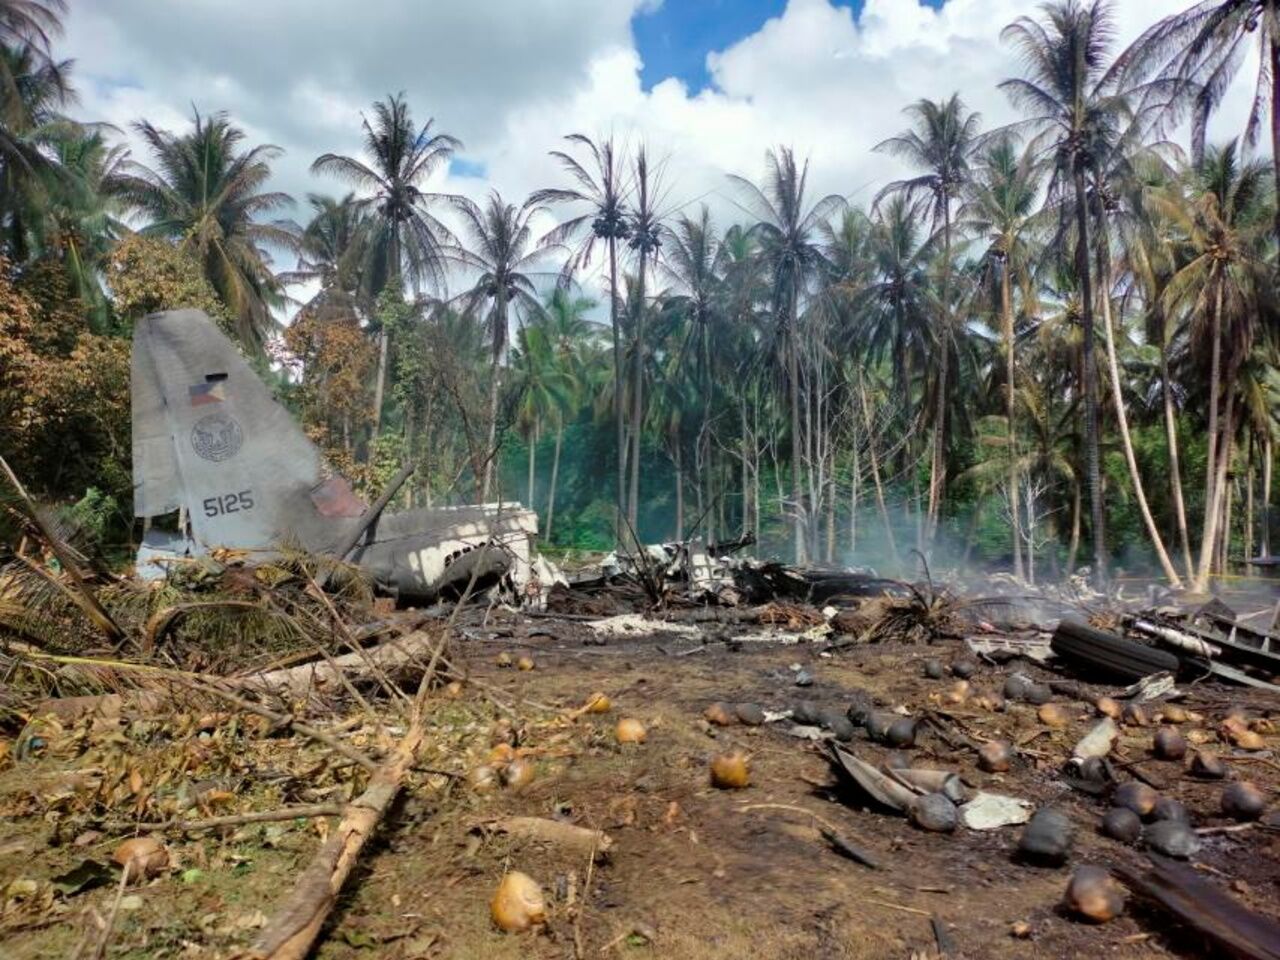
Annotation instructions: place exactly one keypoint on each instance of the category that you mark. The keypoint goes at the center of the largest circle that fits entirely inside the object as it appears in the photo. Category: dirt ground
(693, 871)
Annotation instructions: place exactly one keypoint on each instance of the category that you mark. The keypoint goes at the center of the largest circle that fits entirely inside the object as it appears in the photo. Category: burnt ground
(693, 872)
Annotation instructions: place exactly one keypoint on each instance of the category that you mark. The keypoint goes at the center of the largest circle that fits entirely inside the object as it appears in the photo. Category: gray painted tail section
(208, 434)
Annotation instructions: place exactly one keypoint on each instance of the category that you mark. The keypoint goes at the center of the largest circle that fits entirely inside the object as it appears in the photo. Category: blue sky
(674, 40)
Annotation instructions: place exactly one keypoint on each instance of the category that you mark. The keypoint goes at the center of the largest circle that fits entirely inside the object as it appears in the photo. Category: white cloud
(513, 76)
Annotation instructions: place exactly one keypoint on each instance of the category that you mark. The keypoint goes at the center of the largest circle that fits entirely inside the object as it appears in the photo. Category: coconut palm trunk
(637, 398)
(1006, 316)
(938, 461)
(1122, 418)
(1267, 458)
(875, 475)
(679, 464)
(1175, 469)
(499, 335)
(1211, 505)
(793, 388)
(618, 393)
(1089, 378)
(533, 461)
(1273, 51)
(555, 476)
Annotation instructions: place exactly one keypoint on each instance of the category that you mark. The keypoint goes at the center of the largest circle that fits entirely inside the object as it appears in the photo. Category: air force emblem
(216, 437)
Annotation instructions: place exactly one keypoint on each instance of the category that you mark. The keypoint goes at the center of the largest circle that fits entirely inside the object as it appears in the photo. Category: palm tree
(30, 25)
(1200, 50)
(1149, 264)
(205, 193)
(603, 192)
(80, 218)
(543, 387)
(692, 263)
(33, 92)
(1076, 113)
(1223, 287)
(572, 336)
(939, 143)
(1000, 212)
(333, 247)
(791, 255)
(405, 240)
(644, 236)
(502, 254)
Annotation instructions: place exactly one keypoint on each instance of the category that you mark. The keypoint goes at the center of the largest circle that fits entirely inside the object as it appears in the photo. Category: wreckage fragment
(1102, 652)
(1194, 901)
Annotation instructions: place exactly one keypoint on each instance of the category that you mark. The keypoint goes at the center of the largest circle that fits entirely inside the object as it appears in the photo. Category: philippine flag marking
(205, 393)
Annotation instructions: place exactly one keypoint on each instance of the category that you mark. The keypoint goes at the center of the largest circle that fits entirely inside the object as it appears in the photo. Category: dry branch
(291, 932)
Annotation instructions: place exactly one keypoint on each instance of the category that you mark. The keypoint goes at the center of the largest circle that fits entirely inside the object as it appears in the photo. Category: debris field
(813, 765)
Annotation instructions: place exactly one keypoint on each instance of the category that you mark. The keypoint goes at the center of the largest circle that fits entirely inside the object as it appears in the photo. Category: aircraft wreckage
(211, 443)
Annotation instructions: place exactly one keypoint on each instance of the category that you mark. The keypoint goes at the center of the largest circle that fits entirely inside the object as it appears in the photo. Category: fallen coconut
(1243, 801)
(142, 858)
(630, 730)
(1135, 796)
(934, 812)
(995, 756)
(752, 714)
(453, 690)
(1037, 694)
(1094, 770)
(729, 771)
(1108, 707)
(1169, 744)
(1047, 837)
(1015, 687)
(518, 903)
(1135, 715)
(503, 659)
(1247, 739)
(878, 723)
(1054, 715)
(1207, 766)
(525, 663)
(958, 693)
(720, 714)
(901, 733)
(1167, 808)
(964, 669)
(1093, 895)
(1172, 713)
(1121, 823)
(838, 724)
(518, 773)
(934, 670)
(805, 712)
(1173, 838)
(598, 703)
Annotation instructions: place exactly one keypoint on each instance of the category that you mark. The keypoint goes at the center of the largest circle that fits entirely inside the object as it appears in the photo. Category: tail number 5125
(228, 503)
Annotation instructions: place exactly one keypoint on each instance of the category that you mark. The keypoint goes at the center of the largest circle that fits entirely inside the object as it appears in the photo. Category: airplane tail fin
(209, 435)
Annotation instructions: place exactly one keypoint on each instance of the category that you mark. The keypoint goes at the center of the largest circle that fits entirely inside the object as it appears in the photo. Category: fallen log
(311, 679)
(292, 930)
(1233, 927)
(299, 683)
